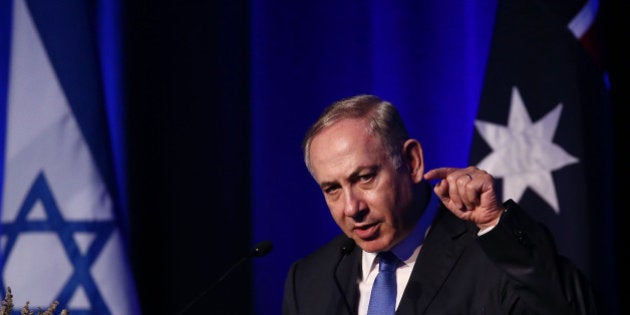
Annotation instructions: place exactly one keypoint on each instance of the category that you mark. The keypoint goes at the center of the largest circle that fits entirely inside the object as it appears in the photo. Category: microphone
(261, 249)
(346, 248)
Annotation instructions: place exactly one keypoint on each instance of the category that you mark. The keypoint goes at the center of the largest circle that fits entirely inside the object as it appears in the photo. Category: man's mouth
(367, 231)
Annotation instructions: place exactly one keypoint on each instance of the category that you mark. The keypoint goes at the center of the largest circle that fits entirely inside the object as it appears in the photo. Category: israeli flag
(60, 234)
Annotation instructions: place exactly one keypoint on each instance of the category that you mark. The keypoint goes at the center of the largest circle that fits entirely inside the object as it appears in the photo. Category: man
(473, 255)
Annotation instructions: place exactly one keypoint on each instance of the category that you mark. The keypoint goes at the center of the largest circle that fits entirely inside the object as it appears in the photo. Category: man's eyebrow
(353, 175)
(328, 184)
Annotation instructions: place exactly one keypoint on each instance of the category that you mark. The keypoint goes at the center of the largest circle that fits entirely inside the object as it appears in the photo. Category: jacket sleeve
(544, 281)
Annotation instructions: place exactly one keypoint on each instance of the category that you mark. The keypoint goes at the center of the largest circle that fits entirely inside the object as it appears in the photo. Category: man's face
(368, 198)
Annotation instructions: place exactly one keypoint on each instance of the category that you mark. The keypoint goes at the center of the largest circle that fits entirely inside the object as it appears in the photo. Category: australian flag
(60, 222)
(544, 128)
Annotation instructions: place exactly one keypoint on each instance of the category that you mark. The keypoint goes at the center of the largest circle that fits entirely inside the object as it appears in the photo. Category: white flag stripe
(42, 133)
(33, 279)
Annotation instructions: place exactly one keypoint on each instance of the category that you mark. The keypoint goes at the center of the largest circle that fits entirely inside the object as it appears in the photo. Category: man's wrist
(485, 228)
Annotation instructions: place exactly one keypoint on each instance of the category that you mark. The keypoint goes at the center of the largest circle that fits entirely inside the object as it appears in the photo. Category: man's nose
(352, 202)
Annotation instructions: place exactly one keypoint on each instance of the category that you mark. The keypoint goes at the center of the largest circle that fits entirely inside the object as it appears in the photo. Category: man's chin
(373, 246)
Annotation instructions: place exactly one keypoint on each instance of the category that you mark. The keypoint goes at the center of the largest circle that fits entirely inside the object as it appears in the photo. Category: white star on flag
(523, 153)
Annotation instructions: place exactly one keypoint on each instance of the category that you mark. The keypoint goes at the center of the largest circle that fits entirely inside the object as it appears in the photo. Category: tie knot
(387, 261)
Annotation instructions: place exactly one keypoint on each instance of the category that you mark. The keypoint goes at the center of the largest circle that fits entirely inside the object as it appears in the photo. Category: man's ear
(412, 153)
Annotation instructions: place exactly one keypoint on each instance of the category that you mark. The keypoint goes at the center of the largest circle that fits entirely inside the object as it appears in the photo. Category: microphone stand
(346, 248)
(260, 250)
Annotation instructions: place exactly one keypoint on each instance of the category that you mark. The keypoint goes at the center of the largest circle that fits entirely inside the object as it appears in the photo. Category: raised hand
(469, 193)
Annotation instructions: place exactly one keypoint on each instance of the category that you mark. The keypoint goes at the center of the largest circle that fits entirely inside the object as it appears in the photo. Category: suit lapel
(440, 251)
(348, 273)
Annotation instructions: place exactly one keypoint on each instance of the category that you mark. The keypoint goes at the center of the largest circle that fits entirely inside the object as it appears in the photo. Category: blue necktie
(383, 296)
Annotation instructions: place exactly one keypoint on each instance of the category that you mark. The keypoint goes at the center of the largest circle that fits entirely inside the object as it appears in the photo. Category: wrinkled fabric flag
(61, 237)
(544, 128)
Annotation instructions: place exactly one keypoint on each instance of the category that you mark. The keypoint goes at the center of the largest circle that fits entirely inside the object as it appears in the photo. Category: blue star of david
(54, 222)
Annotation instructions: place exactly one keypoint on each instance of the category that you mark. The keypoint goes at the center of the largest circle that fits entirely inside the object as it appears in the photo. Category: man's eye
(366, 177)
(331, 189)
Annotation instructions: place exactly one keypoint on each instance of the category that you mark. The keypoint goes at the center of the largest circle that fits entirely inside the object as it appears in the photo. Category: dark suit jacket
(513, 269)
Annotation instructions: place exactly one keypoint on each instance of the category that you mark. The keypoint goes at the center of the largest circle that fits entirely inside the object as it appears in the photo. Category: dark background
(189, 75)
(188, 149)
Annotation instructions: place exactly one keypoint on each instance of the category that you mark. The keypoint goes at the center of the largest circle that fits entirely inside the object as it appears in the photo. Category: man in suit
(467, 253)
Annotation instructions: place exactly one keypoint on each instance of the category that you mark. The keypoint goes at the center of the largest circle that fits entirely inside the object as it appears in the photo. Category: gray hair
(383, 121)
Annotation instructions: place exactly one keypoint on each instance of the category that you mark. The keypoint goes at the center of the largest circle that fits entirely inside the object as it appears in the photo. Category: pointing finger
(438, 173)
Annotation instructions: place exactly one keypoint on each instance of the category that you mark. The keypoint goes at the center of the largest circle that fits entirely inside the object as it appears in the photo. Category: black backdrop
(188, 82)
(188, 149)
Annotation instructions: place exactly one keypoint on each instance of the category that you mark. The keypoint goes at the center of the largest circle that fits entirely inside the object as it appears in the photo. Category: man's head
(360, 154)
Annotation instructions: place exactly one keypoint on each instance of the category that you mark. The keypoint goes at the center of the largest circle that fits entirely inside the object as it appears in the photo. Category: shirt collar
(407, 250)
